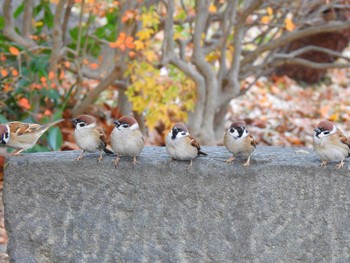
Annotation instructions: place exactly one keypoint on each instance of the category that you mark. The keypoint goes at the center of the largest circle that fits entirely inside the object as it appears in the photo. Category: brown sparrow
(180, 145)
(238, 141)
(89, 137)
(331, 144)
(126, 139)
(22, 136)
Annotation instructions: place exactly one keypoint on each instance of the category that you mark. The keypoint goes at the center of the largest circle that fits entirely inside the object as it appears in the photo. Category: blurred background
(281, 66)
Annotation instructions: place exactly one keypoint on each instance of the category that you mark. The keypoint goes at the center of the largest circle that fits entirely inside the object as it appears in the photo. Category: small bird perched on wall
(22, 136)
(126, 139)
(89, 137)
(331, 144)
(238, 141)
(180, 145)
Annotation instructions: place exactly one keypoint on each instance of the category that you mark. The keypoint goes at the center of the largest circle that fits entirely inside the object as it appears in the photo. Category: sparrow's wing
(252, 140)
(100, 134)
(19, 128)
(194, 143)
(24, 134)
(343, 138)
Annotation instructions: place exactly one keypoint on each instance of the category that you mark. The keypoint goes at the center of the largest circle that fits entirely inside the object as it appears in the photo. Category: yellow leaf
(145, 34)
(265, 19)
(212, 8)
(39, 23)
(289, 24)
(269, 11)
(139, 45)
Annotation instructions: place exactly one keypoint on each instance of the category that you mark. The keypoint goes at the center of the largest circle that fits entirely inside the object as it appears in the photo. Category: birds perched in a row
(127, 140)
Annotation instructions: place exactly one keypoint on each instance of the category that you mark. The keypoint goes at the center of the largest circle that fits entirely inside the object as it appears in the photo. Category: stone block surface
(283, 208)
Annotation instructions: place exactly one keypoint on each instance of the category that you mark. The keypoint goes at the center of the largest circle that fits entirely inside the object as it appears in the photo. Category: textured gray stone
(283, 208)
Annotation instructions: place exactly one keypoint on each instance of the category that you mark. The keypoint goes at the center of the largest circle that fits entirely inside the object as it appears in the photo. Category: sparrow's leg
(247, 163)
(190, 166)
(341, 165)
(116, 161)
(324, 163)
(231, 159)
(17, 152)
(134, 162)
(100, 158)
(81, 155)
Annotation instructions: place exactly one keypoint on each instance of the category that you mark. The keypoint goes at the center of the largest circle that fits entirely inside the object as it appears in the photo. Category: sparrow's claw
(230, 160)
(324, 163)
(134, 162)
(190, 165)
(81, 155)
(17, 152)
(247, 163)
(341, 165)
(116, 161)
(99, 159)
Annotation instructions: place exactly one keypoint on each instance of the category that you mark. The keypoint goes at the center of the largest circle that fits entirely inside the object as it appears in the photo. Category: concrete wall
(283, 208)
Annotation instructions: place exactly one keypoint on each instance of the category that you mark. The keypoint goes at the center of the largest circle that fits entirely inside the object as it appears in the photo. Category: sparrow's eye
(232, 130)
(82, 124)
(183, 133)
(125, 125)
(326, 132)
(6, 135)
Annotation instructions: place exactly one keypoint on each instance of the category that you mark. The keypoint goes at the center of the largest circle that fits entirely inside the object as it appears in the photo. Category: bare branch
(9, 29)
(330, 27)
(94, 94)
(27, 18)
(306, 49)
(66, 19)
(57, 37)
(234, 71)
(308, 63)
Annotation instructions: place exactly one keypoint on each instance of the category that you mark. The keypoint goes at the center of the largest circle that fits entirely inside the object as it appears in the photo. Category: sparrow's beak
(74, 121)
(117, 123)
(317, 130)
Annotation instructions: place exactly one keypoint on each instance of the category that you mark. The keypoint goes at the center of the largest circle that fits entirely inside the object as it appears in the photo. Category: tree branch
(307, 63)
(330, 27)
(27, 18)
(232, 76)
(57, 43)
(94, 94)
(306, 49)
(9, 29)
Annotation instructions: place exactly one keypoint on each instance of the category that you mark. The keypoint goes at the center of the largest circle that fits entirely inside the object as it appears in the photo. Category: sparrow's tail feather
(202, 153)
(48, 125)
(108, 151)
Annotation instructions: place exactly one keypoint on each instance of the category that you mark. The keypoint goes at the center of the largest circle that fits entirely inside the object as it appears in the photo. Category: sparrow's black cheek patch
(174, 133)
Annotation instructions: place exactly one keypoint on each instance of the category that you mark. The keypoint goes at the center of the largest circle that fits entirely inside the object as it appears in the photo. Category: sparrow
(238, 141)
(331, 144)
(89, 137)
(22, 136)
(180, 145)
(126, 139)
